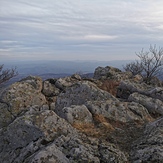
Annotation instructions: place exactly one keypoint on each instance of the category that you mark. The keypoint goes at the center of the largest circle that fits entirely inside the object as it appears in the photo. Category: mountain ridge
(111, 117)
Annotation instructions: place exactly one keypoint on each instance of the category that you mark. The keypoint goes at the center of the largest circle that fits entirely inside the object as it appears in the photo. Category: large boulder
(21, 95)
(156, 92)
(76, 114)
(154, 106)
(79, 93)
(111, 73)
(128, 87)
(122, 112)
(5, 115)
(28, 135)
(148, 148)
(49, 89)
(62, 83)
(50, 154)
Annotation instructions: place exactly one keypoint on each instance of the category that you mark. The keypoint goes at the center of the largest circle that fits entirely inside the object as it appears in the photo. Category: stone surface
(50, 89)
(76, 114)
(148, 148)
(50, 154)
(72, 119)
(5, 115)
(62, 83)
(119, 111)
(154, 106)
(24, 94)
(79, 94)
(111, 73)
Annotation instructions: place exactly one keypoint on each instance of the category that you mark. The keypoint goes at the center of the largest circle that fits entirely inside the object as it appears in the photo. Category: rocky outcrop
(79, 93)
(71, 119)
(122, 112)
(111, 73)
(76, 114)
(154, 106)
(148, 148)
(20, 96)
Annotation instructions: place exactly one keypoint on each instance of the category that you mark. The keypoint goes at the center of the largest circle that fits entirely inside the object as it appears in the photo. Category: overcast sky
(79, 29)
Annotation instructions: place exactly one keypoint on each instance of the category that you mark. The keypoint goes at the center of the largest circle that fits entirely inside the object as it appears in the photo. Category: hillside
(113, 117)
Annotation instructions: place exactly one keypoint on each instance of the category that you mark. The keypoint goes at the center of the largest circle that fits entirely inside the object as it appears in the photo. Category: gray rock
(119, 111)
(49, 154)
(5, 115)
(15, 137)
(76, 76)
(62, 83)
(35, 81)
(111, 73)
(128, 87)
(50, 89)
(21, 95)
(79, 94)
(76, 114)
(148, 148)
(105, 72)
(30, 133)
(156, 93)
(111, 154)
(154, 106)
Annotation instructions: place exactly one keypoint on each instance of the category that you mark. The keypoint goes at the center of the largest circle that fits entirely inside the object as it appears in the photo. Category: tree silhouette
(7, 74)
(149, 65)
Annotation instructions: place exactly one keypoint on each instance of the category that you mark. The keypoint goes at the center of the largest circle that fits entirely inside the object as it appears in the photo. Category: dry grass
(110, 86)
(102, 122)
(87, 128)
(98, 129)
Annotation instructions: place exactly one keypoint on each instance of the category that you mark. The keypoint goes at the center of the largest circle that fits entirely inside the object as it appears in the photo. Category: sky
(100, 30)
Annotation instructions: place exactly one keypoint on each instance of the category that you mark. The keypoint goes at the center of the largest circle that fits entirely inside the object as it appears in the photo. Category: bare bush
(150, 63)
(134, 67)
(7, 74)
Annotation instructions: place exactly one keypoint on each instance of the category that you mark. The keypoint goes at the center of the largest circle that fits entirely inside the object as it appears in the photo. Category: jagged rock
(21, 95)
(154, 106)
(111, 73)
(85, 149)
(128, 87)
(5, 115)
(15, 137)
(31, 132)
(50, 89)
(137, 78)
(50, 154)
(35, 81)
(76, 114)
(117, 111)
(156, 93)
(79, 94)
(111, 154)
(76, 76)
(148, 148)
(62, 83)
(101, 72)
(91, 125)
(52, 126)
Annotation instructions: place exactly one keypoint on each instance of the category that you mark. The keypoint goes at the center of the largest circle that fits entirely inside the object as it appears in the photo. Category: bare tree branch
(150, 64)
(7, 74)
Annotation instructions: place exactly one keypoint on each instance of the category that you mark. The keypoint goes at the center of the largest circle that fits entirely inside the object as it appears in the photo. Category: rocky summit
(113, 117)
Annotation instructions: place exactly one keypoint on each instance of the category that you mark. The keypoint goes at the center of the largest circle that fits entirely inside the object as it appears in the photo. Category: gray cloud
(69, 29)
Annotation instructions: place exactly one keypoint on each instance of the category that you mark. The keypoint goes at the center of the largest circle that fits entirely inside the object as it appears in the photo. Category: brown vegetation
(110, 86)
(100, 127)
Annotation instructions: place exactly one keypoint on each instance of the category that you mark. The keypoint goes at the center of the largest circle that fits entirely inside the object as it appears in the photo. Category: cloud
(82, 28)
